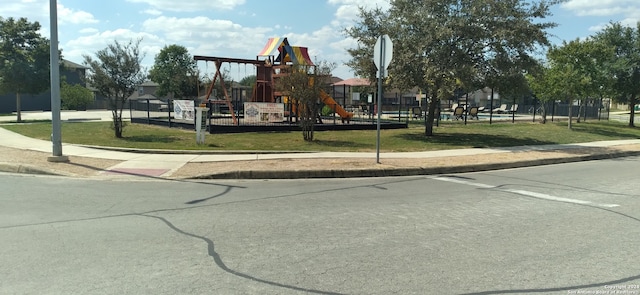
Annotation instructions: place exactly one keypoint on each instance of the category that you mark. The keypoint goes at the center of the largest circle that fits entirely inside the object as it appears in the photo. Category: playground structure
(274, 61)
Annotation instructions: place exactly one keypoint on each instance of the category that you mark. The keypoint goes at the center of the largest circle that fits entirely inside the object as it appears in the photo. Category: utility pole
(56, 134)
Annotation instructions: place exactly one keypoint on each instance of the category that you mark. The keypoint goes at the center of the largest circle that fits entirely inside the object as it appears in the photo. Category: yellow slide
(329, 101)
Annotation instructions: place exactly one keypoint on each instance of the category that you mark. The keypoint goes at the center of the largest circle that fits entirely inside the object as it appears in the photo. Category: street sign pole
(380, 94)
(382, 54)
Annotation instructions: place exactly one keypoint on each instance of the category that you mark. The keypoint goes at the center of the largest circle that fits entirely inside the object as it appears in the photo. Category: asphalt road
(561, 229)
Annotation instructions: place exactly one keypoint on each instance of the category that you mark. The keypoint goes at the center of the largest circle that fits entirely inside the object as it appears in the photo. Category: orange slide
(329, 101)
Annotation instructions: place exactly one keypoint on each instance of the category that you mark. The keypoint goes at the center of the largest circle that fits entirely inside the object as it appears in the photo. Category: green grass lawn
(449, 135)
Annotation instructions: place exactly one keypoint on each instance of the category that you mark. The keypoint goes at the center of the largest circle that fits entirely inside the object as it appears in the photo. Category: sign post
(201, 124)
(382, 55)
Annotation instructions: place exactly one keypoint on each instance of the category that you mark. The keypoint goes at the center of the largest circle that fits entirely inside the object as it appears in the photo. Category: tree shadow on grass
(151, 138)
(615, 132)
(340, 144)
(464, 140)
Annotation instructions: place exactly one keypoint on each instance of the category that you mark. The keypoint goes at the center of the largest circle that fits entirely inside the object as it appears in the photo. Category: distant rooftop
(354, 82)
(72, 65)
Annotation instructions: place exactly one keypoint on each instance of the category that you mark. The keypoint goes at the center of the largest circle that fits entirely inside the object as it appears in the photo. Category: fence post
(148, 113)
(600, 108)
(169, 104)
(399, 108)
(513, 111)
(131, 111)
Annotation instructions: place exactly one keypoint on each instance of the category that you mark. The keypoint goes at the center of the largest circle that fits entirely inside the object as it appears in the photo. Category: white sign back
(382, 54)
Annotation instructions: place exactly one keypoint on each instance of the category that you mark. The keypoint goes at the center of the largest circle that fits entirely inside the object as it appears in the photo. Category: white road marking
(524, 193)
(456, 180)
(557, 199)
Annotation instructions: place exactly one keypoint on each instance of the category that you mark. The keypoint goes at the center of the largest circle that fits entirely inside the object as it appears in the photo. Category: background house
(72, 73)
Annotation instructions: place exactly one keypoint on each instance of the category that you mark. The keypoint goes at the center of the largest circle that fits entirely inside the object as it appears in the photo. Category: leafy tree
(303, 85)
(568, 71)
(218, 90)
(440, 46)
(75, 97)
(115, 73)
(24, 59)
(576, 71)
(541, 83)
(624, 67)
(175, 71)
(248, 81)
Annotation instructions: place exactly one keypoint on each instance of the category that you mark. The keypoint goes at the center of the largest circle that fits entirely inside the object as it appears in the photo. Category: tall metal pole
(381, 72)
(56, 134)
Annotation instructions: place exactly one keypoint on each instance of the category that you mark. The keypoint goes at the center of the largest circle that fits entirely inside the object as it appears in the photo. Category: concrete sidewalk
(113, 163)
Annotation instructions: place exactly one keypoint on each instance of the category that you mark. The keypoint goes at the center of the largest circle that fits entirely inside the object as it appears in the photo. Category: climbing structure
(277, 56)
(274, 61)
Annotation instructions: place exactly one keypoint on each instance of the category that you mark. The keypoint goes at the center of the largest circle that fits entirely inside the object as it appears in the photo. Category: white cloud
(88, 31)
(348, 9)
(152, 12)
(32, 10)
(337, 44)
(630, 21)
(597, 28)
(192, 5)
(74, 50)
(66, 15)
(210, 36)
(603, 7)
(38, 10)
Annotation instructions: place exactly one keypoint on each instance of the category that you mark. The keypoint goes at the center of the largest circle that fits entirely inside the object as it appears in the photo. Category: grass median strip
(447, 136)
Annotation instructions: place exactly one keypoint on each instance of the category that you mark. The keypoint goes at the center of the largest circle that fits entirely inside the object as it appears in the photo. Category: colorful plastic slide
(329, 101)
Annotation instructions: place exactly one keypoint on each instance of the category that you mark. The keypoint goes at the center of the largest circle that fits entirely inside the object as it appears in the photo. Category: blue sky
(240, 28)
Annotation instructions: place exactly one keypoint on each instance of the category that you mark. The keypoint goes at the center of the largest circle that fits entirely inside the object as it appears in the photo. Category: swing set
(218, 62)
(269, 67)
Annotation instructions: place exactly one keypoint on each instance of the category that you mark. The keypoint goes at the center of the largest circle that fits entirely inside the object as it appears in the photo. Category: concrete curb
(355, 173)
(28, 169)
(410, 171)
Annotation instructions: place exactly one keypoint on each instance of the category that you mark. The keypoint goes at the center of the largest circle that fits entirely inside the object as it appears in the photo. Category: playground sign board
(263, 112)
(183, 110)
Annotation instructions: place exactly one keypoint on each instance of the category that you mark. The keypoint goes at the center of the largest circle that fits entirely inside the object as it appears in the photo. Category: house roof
(354, 82)
(335, 80)
(149, 83)
(72, 65)
(135, 96)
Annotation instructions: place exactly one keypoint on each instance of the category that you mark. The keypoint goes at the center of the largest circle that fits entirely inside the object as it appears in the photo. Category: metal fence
(157, 112)
(593, 111)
